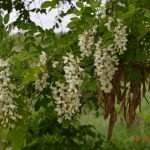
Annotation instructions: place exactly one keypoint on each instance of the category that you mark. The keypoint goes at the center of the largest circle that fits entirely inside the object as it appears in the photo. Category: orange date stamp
(141, 138)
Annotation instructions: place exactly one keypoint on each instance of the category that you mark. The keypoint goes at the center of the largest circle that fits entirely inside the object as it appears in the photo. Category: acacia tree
(104, 59)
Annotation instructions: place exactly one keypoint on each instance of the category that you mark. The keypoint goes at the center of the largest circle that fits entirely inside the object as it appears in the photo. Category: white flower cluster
(66, 95)
(8, 107)
(41, 83)
(120, 40)
(86, 42)
(105, 62)
(106, 59)
(67, 101)
(102, 11)
(43, 58)
(54, 64)
(108, 24)
(72, 70)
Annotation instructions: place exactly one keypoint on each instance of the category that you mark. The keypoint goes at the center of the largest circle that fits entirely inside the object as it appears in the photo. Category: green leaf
(131, 12)
(94, 4)
(92, 87)
(77, 12)
(17, 136)
(146, 4)
(147, 14)
(29, 75)
(46, 4)
(88, 11)
(80, 4)
(72, 25)
(74, 19)
(140, 56)
(132, 73)
(131, 7)
(6, 18)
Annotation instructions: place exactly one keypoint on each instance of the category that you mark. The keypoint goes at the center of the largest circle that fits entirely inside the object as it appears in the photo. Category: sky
(46, 21)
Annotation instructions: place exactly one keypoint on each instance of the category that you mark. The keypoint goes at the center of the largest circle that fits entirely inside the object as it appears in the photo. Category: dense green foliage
(33, 117)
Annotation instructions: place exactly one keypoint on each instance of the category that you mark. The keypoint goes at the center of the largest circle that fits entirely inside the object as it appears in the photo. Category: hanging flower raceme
(109, 23)
(105, 62)
(86, 42)
(102, 11)
(105, 57)
(43, 58)
(67, 101)
(41, 83)
(8, 107)
(120, 37)
(72, 69)
(67, 95)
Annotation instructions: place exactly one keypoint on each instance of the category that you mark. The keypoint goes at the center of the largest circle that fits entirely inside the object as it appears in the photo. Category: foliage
(45, 70)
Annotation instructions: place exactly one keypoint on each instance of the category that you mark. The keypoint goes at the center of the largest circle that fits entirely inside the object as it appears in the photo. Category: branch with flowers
(104, 56)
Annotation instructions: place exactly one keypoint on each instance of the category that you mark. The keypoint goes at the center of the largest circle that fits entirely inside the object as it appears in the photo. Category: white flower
(86, 42)
(43, 58)
(41, 84)
(73, 71)
(105, 65)
(8, 107)
(67, 95)
(102, 11)
(108, 24)
(55, 63)
(67, 101)
(120, 40)
(106, 59)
